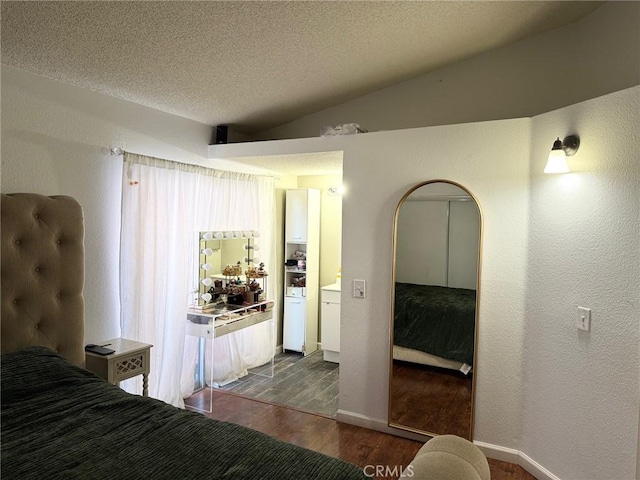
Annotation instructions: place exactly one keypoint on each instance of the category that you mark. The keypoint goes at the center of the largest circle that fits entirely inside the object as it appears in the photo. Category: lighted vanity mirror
(224, 257)
(435, 286)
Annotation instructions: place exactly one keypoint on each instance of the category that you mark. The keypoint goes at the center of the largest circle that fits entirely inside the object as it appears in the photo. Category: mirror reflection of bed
(434, 310)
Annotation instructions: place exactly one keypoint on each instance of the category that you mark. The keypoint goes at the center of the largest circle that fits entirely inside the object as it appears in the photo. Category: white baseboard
(518, 458)
(374, 424)
(535, 469)
(496, 452)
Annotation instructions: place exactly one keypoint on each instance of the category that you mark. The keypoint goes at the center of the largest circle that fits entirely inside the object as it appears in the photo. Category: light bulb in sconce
(557, 161)
(218, 235)
(255, 233)
(237, 234)
(246, 233)
(207, 236)
(206, 266)
(206, 297)
(207, 281)
(256, 247)
(228, 234)
(207, 251)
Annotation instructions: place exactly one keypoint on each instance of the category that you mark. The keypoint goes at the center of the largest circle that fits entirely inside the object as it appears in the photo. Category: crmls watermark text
(387, 471)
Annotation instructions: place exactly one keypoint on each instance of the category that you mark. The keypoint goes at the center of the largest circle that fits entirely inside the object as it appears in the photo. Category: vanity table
(226, 318)
(231, 296)
(217, 322)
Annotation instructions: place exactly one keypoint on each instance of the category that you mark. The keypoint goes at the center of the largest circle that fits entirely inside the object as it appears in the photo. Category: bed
(60, 421)
(434, 325)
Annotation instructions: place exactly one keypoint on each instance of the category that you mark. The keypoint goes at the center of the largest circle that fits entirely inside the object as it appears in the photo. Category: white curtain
(164, 205)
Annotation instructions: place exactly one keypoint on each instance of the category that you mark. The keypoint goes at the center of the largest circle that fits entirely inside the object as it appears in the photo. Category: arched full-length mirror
(434, 316)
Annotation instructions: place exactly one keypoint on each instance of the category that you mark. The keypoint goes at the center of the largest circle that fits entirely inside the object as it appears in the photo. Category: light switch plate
(359, 289)
(584, 319)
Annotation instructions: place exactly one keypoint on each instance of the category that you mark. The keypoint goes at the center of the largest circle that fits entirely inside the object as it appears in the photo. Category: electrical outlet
(359, 288)
(584, 319)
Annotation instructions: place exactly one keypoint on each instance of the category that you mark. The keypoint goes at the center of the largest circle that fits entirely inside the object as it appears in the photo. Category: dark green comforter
(62, 422)
(435, 320)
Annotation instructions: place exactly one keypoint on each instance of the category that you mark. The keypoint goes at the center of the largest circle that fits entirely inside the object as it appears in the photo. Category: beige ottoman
(448, 457)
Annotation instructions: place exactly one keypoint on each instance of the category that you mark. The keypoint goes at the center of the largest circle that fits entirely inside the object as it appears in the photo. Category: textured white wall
(595, 56)
(491, 160)
(56, 140)
(581, 388)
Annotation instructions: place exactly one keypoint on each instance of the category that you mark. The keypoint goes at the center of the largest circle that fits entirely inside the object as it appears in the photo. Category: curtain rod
(117, 151)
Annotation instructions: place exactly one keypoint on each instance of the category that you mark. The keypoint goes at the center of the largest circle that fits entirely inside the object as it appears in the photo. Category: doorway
(308, 383)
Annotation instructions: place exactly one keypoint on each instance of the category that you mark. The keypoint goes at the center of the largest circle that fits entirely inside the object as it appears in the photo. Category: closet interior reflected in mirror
(435, 287)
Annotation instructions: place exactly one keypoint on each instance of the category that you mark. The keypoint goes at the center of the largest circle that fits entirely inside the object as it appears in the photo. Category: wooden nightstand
(129, 360)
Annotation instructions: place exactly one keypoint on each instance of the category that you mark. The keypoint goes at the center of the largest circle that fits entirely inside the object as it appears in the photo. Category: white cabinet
(330, 317)
(295, 316)
(301, 270)
(297, 215)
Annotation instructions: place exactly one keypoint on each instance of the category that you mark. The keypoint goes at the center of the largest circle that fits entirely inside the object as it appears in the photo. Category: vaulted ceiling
(256, 64)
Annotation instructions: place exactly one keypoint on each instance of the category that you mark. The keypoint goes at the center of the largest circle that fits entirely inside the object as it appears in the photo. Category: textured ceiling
(255, 64)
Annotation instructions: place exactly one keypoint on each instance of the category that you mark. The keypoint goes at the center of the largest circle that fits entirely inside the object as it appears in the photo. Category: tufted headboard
(42, 274)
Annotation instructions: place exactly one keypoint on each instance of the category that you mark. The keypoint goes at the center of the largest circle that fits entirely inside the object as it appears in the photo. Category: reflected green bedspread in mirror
(63, 422)
(436, 320)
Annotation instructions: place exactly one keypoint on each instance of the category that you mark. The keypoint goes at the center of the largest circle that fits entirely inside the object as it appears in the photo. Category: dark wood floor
(356, 445)
(431, 399)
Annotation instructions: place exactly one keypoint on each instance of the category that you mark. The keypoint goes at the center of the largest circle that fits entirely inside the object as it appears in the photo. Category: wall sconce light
(336, 190)
(557, 162)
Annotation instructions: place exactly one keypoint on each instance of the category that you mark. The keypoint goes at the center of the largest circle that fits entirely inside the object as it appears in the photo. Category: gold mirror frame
(390, 421)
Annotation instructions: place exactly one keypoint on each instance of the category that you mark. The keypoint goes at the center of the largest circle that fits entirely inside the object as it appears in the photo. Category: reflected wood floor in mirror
(431, 399)
(356, 445)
